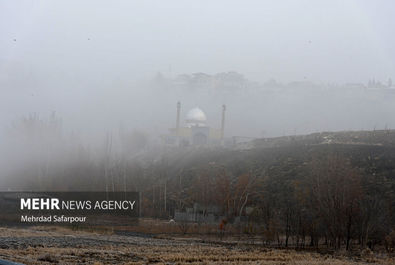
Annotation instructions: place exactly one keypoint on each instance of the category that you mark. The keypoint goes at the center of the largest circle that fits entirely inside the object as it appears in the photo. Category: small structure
(199, 214)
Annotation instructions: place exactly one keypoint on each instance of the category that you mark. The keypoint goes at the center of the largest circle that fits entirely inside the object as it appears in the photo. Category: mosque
(195, 132)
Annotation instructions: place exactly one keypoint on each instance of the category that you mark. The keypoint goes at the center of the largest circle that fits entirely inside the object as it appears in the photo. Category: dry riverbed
(62, 246)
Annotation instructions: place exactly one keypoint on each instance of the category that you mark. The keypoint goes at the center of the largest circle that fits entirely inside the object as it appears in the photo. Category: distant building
(196, 131)
(199, 214)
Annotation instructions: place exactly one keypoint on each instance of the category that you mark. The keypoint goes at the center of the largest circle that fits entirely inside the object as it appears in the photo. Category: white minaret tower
(223, 123)
(178, 122)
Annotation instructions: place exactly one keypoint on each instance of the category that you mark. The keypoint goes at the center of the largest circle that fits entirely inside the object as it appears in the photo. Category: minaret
(223, 123)
(178, 120)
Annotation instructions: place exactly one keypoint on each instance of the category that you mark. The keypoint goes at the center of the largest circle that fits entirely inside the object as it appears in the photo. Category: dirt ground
(63, 246)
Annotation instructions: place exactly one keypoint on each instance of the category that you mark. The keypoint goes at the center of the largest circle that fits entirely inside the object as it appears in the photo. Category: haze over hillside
(256, 124)
(94, 62)
(77, 74)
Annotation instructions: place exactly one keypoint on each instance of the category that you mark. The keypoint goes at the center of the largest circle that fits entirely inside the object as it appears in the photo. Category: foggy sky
(325, 41)
(87, 60)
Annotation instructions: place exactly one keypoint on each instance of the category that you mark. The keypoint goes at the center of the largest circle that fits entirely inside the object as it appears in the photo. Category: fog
(281, 68)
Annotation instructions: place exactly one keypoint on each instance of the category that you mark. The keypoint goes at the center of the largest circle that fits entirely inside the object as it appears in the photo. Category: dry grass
(49, 231)
(187, 252)
(194, 254)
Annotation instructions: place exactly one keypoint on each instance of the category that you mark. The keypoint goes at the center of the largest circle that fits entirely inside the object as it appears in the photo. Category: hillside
(337, 188)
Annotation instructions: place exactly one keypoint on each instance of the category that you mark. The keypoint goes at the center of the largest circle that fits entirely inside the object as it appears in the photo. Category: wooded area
(333, 195)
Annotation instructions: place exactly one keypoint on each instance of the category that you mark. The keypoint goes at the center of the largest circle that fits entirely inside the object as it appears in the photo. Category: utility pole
(165, 197)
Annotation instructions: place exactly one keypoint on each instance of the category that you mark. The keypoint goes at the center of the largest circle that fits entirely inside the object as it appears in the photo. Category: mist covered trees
(303, 195)
(318, 196)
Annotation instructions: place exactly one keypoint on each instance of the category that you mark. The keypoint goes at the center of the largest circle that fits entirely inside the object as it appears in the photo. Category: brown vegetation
(302, 193)
(170, 251)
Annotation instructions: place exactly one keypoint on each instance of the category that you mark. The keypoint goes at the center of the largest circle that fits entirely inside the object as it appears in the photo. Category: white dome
(196, 116)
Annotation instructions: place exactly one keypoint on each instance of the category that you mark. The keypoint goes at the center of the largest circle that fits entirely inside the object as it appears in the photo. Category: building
(195, 132)
(199, 214)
